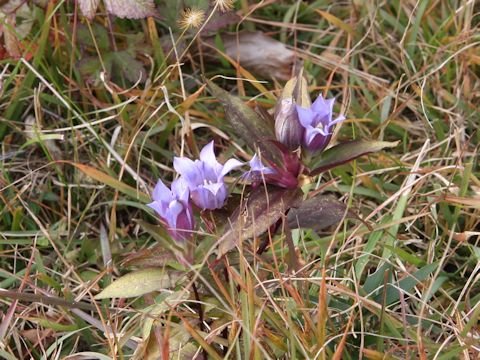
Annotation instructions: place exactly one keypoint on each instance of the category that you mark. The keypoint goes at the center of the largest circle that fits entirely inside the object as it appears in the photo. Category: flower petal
(174, 210)
(203, 198)
(210, 196)
(322, 111)
(229, 166)
(184, 225)
(316, 141)
(219, 194)
(305, 116)
(189, 213)
(329, 107)
(314, 135)
(161, 192)
(214, 188)
(207, 156)
(337, 120)
(257, 170)
(157, 207)
(180, 189)
(320, 104)
(189, 169)
(256, 165)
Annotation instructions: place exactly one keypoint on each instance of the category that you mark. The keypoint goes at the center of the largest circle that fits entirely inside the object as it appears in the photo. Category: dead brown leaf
(260, 54)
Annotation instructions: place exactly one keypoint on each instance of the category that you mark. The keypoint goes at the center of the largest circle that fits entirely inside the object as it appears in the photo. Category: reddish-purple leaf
(317, 213)
(247, 124)
(286, 173)
(347, 151)
(257, 213)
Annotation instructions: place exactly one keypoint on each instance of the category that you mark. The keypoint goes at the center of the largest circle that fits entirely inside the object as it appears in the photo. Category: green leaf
(364, 258)
(132, 69)
(347, 151)
(246, 123)
(406, 284)
(7, 356)
(99, 32)
(90, 66)
(257, 213)
(406, 256)
(52, 324)
(140, 282)
(317, 213)
(374, 280)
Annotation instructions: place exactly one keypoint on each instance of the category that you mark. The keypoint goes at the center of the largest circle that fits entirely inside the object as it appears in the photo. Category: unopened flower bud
(288, 129)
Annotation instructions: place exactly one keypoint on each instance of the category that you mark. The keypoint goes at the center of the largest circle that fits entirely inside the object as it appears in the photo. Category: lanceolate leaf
(317, 213)
(347, 151)
(140, 282)
(257, 213)
(406, 284)
(246, 123)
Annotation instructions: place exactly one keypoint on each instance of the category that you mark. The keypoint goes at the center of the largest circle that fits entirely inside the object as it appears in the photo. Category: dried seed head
(191, 18)
(224, 5)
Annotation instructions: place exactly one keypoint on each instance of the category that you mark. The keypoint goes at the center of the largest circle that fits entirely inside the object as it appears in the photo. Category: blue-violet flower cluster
(200, 181)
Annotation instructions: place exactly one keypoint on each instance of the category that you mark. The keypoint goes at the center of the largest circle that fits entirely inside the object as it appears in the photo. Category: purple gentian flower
(174, 208)
(257, 169)
(318, 123)
(205, 177)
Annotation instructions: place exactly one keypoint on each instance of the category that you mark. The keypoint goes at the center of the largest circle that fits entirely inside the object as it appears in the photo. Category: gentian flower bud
(284, 176)
(257, 166)
(205, 177)
(288, 129)
(257, 169)
(174, 208)
(318, 123)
